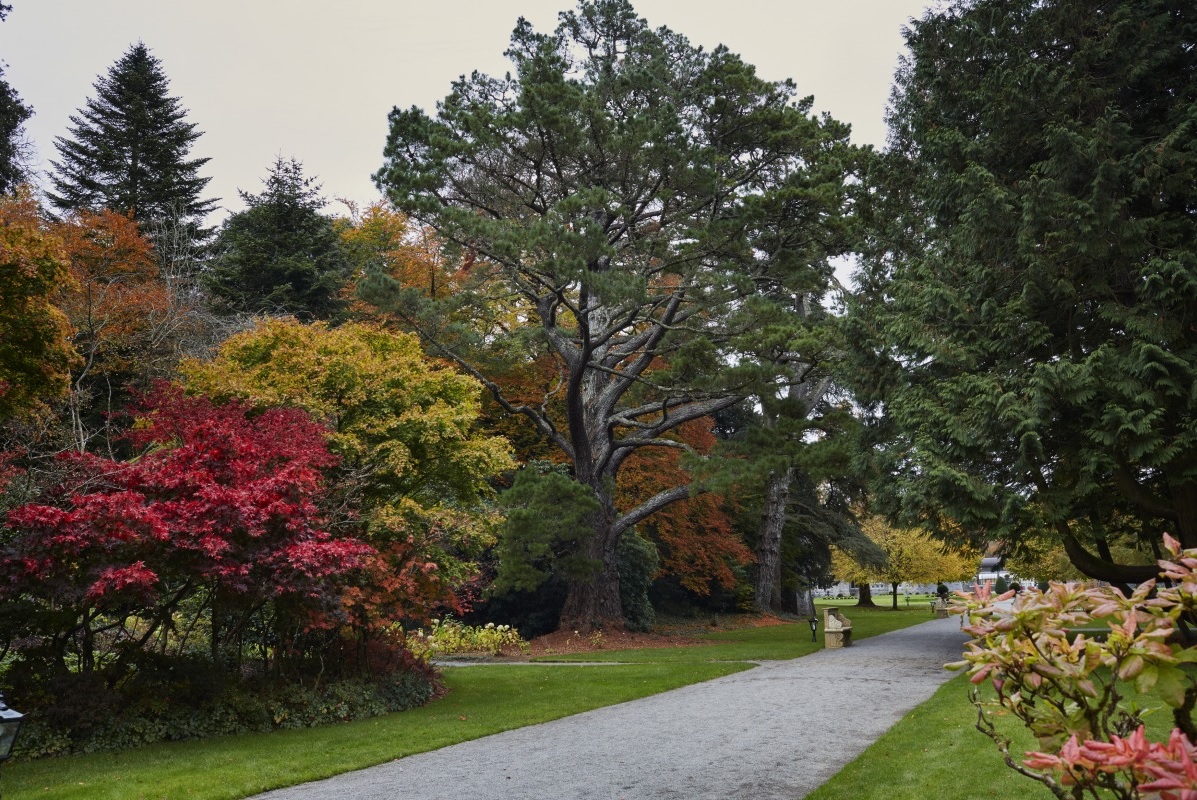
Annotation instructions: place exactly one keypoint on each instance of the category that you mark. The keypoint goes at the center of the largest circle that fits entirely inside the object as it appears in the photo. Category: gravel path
(776, 731)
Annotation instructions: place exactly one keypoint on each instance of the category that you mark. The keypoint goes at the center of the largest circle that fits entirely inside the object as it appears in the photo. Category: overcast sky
(315, 80)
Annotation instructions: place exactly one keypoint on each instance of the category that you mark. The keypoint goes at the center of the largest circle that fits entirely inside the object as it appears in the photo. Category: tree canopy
(403, 426)
(35, 348)
(1036, 276)
(280, 255)
(652, 212)
(127, 149)
(220, 508)
(910, 556)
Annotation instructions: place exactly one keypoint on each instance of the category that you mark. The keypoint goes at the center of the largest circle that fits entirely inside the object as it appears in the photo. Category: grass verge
(936, 751)
(933, 751)
(769, 643)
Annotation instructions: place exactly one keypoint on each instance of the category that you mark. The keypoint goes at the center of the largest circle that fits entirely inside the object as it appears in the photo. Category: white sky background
(315, 80)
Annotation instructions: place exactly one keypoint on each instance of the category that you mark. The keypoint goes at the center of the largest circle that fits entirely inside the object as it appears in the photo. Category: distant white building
(992, 569)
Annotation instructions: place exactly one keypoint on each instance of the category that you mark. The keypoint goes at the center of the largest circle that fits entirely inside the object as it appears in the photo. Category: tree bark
(1095, 567)
(1184, 500)
(768, 550)
(865, 596)
(595, 604)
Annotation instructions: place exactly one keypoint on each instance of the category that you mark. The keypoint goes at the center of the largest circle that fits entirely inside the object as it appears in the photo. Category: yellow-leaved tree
(912, 556)
(403, 425)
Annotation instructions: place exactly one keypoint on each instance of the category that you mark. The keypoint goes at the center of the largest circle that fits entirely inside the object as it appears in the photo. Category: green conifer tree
(127, 149)
(1036, 275)
(13, 114)
(280, 255)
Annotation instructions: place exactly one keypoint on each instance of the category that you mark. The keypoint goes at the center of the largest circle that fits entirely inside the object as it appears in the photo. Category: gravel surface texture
(776, 731)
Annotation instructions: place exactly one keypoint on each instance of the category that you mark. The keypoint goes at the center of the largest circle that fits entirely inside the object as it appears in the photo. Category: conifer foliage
(655, 210)
(13, 114)
(1040, 273)
(281, 255)
(127, 149)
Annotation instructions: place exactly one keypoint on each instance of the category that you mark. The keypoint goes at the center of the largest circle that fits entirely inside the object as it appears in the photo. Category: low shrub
(449, 637)
(1064, 662)
(77, 714)
(638, 563)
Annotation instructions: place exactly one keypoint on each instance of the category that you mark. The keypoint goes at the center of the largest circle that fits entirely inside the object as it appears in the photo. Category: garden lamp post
(814, 628)
(10, 726)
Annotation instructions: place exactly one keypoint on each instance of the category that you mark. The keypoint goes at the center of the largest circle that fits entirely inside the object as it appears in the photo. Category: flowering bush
(448, 636)
(1060, 660)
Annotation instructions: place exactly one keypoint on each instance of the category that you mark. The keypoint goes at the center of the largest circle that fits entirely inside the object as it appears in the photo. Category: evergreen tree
(127, 149)
(13, 114)
(280, 255)
(1037, 279)
(653, 213)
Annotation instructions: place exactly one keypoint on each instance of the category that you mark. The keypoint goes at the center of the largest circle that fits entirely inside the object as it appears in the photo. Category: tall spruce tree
(1037, 278)
(127, 150)
(13, 114)
(280, 255)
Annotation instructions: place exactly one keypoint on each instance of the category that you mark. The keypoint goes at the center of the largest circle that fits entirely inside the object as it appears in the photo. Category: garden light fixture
(814, 627)
(10, 726)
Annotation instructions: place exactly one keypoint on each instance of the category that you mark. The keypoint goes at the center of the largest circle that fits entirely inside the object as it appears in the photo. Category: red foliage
(697, 542)
(1169, 769)
(220, 497)
(399, 583)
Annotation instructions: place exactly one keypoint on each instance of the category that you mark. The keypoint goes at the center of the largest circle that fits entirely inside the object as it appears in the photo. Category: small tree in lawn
(911, 556)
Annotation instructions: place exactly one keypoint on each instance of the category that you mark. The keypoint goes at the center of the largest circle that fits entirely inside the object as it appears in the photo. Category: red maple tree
(220, 507)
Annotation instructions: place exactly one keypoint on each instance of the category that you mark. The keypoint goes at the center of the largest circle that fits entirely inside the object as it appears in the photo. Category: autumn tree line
(589, 356)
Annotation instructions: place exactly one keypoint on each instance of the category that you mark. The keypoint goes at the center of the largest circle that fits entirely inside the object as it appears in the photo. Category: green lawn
(933, 752)
(482, 700)
(773, 642)
(936, 751)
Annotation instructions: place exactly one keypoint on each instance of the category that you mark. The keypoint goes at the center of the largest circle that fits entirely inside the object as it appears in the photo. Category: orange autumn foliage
(379, 236)
(401, 584)
(116, 294)
(695, 536)
(35, 349)
(526, 383)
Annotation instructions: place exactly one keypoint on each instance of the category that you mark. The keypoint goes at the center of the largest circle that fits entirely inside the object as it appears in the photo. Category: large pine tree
(127, 149)
(654, 212)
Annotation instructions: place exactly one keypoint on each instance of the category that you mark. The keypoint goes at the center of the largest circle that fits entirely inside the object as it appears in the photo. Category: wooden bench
(939, 608)
(837, 629)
